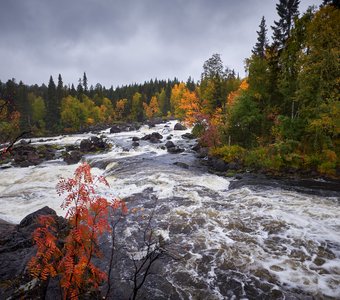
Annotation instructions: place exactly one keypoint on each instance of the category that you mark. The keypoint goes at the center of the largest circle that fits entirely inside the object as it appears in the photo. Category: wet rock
(219, 165)
(93, 144)
(16, 249)
(73, 157)
(196, 147)
(181, 164)
(188, 136)
(135, 144)
(115, 129)
(202, 152)
(154, 137)
(169, 137)
(26, 155)
(169, 144)
(179, 126)
(175, 150)
(85, 145)
(71, 148)
(135, 139)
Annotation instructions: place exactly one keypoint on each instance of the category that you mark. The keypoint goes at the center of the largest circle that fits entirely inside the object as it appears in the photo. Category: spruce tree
(52, 119)
(85, 83)
(262, 42)
(287, 11)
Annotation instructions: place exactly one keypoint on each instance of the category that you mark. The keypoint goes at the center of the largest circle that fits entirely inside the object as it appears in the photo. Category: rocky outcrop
(25, 155)
(93, 144)
(16, 249)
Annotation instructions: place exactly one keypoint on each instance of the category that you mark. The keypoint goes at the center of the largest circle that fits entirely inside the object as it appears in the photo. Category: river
(243, 243)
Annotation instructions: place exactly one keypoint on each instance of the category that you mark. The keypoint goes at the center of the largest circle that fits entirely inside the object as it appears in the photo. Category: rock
(234, 166)
(73, 157)
(181, 164)
(179, 126)
(202, 152)
(175, 150)
(93, 144)
(196, 147)
(146, 137)
(85, 145)
(115, 129)
(154, 139)
(169, 144)
(169, 137)
(157, 135)
(16, 250)
(219, 165)
(188, 136)
(26, 155)
(71, 148)
(135, 144)
(135, 139)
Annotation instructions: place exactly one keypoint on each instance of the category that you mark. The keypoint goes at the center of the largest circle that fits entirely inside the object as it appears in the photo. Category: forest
(283, 117)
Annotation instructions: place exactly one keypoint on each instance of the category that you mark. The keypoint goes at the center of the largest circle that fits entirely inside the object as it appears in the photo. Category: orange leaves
(88, 217)
(190, 104)
(233, 95)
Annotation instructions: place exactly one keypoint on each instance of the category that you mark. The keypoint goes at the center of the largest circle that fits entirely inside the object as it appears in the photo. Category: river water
(243, 243)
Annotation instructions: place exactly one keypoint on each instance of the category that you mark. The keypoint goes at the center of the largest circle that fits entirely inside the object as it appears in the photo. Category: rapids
(241, 243)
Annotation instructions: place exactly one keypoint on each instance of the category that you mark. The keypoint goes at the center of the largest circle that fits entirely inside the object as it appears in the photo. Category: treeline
(57, 107)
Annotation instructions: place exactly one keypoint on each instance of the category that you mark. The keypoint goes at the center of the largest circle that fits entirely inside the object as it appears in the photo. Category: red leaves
(88, 216)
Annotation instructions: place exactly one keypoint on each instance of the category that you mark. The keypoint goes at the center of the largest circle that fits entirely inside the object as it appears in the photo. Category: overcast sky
(121, 42)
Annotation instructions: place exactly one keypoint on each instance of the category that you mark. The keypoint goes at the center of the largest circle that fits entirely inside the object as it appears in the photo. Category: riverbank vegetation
(283, 117)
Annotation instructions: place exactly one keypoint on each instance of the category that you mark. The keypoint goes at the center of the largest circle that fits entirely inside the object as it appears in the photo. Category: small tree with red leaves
(88, 217)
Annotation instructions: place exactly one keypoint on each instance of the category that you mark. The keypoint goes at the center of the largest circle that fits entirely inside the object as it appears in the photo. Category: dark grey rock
(135, 139)
(219, 165)
(179, 126)
(188, 136)
(181, 164)
(175, 150)
(169, 144)
(73, 157)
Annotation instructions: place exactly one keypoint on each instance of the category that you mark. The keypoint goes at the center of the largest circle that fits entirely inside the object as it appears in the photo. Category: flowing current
(243, 243)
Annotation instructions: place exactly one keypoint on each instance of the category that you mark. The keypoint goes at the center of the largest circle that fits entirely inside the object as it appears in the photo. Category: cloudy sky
(121, 42)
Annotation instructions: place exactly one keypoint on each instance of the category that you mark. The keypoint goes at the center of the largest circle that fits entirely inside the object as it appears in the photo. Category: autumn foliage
(88, 216)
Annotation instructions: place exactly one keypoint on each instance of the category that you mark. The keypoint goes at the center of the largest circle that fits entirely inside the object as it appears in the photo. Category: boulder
(169, 144)
(179, 126)
(135, 144)
(219, 165)
(135, 139)
(188, 136)
(93, 144)
(169, 137)
(115, 129)
(175, 150)
(16, 250)
(73, 157)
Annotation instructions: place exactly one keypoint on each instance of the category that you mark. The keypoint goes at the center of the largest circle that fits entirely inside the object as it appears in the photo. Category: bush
(229, 153)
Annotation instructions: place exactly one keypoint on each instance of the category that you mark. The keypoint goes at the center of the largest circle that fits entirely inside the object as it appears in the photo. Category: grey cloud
(120, 42)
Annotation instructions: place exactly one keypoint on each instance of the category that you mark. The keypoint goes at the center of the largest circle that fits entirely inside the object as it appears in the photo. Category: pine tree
(60, 95)
(262, 42)
(287, 11)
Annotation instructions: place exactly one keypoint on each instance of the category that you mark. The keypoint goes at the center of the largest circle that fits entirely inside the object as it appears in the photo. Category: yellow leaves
(152, 110)
(120, 108)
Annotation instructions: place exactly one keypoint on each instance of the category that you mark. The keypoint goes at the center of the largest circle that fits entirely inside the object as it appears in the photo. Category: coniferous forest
(283, 117)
